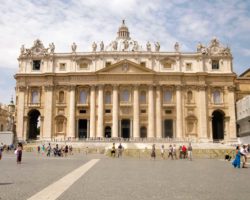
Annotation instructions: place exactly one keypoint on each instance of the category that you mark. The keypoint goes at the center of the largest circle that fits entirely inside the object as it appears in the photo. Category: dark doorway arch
(143, 132)
(218, 125)
(33, 124)
(125, 128)
(107, 133)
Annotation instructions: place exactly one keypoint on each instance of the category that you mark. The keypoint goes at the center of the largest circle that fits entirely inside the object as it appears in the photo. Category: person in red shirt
(184, 151)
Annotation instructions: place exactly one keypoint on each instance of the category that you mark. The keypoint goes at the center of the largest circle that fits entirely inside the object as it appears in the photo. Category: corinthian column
(100, 112)
(136, 113)
(92, 112)
(20, 114)
(203, 116)
(158, 113)
(71, 126)
(179, 123)
(151, 117)
(48, 110)
(231, 112)
(115, 112)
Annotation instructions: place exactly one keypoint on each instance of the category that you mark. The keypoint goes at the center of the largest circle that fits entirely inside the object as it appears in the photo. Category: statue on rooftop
(177, 47)
(148, 45)
(101, 46)
(157, 46)
(73, 47)
(52, 47)
(94, 46)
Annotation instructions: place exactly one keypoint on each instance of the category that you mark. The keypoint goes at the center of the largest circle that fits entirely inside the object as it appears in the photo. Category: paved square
(126, 178)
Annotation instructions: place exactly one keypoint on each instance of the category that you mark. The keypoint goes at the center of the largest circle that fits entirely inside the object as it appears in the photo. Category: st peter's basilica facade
(125, 90)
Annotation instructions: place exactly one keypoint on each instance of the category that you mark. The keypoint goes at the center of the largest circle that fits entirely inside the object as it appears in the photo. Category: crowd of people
(183, 152)
(57, 151)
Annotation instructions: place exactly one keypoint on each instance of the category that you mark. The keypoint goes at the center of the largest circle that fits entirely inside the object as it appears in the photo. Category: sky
(84, 21)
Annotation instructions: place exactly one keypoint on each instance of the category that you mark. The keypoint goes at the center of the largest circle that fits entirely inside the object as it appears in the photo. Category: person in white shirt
(244, 152)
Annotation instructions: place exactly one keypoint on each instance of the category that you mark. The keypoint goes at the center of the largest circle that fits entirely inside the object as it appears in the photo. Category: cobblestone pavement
(126, 178)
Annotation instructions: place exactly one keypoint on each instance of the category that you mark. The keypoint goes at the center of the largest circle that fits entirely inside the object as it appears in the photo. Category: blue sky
(84, 21)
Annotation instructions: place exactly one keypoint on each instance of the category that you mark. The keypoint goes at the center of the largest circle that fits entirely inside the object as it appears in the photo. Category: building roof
(245, 73)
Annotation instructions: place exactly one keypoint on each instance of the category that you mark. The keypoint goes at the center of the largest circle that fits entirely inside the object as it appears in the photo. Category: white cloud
(85, 21)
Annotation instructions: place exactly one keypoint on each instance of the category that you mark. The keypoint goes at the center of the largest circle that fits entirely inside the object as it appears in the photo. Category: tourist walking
(184, 151)
(236, 162)
(1, 152)
(153, 154)
(244, 153)
(174, 152)
(180, 152)
(19, 153)
(48, 150)
(66, 150)
(190, 154)
(170, 152)
(162, 152)
(113, 150)
(120, 149)
(43, 149)
(38, 149)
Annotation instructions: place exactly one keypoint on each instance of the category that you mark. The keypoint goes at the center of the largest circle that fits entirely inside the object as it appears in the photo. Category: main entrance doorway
(107, 132)
(218, 125)
(125, 128)
(168, 128)
(34, 124)
(83, 128)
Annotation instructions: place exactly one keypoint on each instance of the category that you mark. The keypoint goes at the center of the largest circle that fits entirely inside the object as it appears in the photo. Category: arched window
(34, 97)
(61, 97)
(108, 97)
(1, 127)
(189, 96)
(125, 96)
(216, 97)
(143, 97)
(167, 98)
(83, 97)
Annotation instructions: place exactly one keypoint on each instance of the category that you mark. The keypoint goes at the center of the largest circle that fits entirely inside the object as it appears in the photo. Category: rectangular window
(143, 64)
(83, 65)
(143, 111)
(62, 66)
(168, 111)
(108, 64)
(215, 64)
(107, 111)
(167, 65)
(189, 66)
(36, 64)
(83, 111)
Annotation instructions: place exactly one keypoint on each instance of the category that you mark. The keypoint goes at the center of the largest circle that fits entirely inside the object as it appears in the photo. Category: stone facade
(7, 117)
(243, 85)
(243, 117)
(126, 90)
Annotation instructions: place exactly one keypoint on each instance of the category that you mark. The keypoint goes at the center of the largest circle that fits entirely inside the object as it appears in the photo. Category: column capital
(136, 86)
(71, 87)
(178, 87)
(100, 86)
(48, 87)
(231, 88)
(201, 87)
(22, 88)
(115, 86)
(92, 87)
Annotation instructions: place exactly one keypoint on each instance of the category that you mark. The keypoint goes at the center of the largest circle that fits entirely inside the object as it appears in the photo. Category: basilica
(124, 89)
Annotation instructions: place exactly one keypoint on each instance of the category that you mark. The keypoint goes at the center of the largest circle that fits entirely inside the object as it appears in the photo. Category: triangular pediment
(125, 67)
